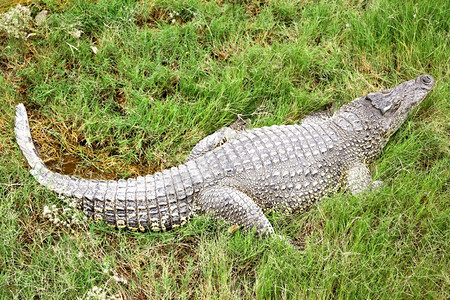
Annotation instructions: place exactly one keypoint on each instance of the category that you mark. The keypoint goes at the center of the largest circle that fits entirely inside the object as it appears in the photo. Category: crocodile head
(393, 106)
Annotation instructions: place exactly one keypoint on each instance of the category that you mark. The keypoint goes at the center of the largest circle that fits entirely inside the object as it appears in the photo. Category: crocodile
(239, 174)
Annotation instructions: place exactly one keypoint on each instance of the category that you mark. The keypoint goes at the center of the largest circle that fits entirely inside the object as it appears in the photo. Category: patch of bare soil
(66, 152)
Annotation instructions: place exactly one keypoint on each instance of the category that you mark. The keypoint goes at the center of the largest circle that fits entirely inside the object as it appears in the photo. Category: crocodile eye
(386, 92)
(396, 104)
(379, 101)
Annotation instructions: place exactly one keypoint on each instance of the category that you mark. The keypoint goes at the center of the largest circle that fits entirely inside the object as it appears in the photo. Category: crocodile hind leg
(217, 139)
(235, 207)
(360, 180)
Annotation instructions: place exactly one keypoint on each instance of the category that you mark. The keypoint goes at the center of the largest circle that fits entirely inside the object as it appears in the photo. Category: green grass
(155, 88)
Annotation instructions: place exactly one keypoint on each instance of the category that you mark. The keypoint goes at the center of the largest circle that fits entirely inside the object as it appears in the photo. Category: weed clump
(18, 22)
(70, 217)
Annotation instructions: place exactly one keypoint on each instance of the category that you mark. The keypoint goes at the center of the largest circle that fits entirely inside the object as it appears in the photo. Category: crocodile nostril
(426, 79)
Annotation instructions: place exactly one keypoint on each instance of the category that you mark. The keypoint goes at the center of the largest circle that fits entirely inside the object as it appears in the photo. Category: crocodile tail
(157, 202)
(23, 137)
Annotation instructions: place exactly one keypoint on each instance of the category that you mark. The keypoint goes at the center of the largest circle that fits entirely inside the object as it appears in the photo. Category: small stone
(41, 18)
(94, 49)
(76, 34)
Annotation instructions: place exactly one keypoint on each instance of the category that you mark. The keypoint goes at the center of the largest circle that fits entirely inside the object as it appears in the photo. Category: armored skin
(237, 175)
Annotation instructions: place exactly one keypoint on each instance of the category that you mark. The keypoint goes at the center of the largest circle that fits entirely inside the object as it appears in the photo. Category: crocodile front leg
(235, 207)
(360, 180)
(210, 142)
(218, 138)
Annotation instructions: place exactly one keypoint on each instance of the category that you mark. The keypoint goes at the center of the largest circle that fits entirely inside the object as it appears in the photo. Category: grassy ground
(168, 73)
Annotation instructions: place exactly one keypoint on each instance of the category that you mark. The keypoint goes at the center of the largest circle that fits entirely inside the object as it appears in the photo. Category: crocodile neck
(361, 126)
